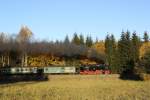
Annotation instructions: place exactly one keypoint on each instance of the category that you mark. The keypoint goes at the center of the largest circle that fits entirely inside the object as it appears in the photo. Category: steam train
(83, 70)
(17, 74)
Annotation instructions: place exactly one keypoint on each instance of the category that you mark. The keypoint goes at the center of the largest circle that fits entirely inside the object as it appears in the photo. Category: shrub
(144, 77)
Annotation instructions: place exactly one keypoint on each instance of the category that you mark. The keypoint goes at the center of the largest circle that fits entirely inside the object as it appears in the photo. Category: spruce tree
(135, 48)
(124, 52)
(111, 53)
(107, 49)
(121, 51)
(81, 39)
(76, 39)
(114, 57)
(146, 37)
(128, 46)
(96, 40)
(89, 41)
(66, 41)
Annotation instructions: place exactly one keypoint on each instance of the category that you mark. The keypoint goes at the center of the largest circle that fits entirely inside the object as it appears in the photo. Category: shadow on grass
(130, 75)
(7, 79)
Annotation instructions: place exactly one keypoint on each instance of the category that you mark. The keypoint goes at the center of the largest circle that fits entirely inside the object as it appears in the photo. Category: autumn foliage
(129, 53)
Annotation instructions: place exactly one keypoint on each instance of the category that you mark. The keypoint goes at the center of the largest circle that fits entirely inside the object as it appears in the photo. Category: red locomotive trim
(86, 72)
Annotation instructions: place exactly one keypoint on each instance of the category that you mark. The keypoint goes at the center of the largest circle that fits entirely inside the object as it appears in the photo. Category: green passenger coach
(59, 70)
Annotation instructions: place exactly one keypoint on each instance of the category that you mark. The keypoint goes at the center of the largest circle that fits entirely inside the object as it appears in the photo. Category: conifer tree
(96, 40)
(76, 39)
(111, 53)
(81, 39)
(121, 51)
(128, 46)
(135, 48)
(124, 52)
(67, 41)
(146, 37)
(107, 49)
(89, 41)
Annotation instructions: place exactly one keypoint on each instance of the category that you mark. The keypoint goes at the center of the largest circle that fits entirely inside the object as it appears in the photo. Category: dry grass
(76, 87)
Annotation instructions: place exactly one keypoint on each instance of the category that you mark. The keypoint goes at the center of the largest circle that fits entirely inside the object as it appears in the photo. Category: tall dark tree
(96, 40)
(76, 39)
(89, 41)
(136, 43)
(107, 49)
(82, 39)
(121, 51)
(67, 41)
(128, 46)
(124, 52)
(146, 37)
(111, 53)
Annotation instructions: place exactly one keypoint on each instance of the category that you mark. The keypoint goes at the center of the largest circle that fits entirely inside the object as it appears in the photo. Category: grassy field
(77, 87)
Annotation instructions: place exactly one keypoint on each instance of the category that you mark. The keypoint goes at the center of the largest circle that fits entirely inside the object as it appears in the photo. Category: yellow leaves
(43, 60)
(47, 60)
(144, 48)
(25, 34)
(87, 61)
(99, 47)
(144, 76)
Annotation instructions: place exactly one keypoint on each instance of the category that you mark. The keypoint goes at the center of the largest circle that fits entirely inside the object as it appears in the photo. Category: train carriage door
(40, 71)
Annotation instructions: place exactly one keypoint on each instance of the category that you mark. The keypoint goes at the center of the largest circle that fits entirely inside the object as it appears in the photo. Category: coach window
(87, 68)
(22, 70)
(26, 69)
(46, 69)
(17, 70)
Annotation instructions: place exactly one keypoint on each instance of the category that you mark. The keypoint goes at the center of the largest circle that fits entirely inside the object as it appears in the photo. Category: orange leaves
(145, 47)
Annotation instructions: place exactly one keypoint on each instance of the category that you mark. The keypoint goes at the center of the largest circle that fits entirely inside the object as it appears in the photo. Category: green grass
(77, 87)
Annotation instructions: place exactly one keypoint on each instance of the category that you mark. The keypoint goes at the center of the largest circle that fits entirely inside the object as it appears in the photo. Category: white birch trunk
(26, 60)
(8, 61)
(2, 60)
(22, 61)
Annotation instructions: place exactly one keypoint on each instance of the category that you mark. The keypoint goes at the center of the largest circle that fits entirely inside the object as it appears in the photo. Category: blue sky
(54, 19)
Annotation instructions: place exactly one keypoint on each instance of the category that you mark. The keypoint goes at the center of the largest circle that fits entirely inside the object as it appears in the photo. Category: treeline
(123, 56)
(16, 50)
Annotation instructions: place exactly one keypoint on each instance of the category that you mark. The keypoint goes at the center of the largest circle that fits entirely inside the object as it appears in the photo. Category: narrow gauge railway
(17, 74)
(83, 70)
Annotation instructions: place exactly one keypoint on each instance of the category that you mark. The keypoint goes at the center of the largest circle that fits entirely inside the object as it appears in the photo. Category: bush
(145, 62)
(129, 75)
(144, 77)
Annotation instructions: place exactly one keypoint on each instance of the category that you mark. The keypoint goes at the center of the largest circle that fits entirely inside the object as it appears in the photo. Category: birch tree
(24, 38)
